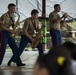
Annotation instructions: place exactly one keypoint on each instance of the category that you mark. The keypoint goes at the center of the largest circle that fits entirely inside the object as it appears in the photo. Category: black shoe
(9, 64)
(18, 65)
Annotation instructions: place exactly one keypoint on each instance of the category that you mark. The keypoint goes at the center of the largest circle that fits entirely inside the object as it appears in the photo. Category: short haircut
(10, 5)
(56, 5)
(34, 11)
(49, 61)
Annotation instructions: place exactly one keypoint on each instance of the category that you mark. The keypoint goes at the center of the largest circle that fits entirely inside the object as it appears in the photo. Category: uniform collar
(32, 20)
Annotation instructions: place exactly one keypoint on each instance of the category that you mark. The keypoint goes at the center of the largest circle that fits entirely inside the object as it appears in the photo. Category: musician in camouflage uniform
(31, 25)
(7, 21)
(55, 22)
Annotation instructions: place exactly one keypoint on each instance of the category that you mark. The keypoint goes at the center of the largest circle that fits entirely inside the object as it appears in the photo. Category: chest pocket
(31, 26)
(8, 21)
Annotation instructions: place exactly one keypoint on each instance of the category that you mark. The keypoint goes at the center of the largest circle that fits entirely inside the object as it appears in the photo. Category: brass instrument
(38, 38)
(16, 27)
(68, 16)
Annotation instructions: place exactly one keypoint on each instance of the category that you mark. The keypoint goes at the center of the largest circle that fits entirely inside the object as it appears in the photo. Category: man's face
(57, 9)
(35, 16)
(12, 9)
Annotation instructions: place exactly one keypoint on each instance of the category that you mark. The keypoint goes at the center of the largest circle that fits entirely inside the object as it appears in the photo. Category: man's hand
(65, 15)
(11, 31)
(32, 40)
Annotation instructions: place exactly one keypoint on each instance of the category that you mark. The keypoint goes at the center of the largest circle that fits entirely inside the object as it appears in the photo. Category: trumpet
(68, 16)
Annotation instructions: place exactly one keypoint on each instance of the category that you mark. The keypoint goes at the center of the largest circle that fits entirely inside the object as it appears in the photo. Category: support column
(44, 21)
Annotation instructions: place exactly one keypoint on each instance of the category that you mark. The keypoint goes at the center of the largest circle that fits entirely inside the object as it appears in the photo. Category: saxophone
(38, 38)
(16, 27)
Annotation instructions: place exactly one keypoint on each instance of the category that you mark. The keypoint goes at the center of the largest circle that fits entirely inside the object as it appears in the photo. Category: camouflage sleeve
(26, 25)
(2, 20)
(52, 16)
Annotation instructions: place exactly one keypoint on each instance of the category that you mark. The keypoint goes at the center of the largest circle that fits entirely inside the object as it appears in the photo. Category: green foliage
(74, 24)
